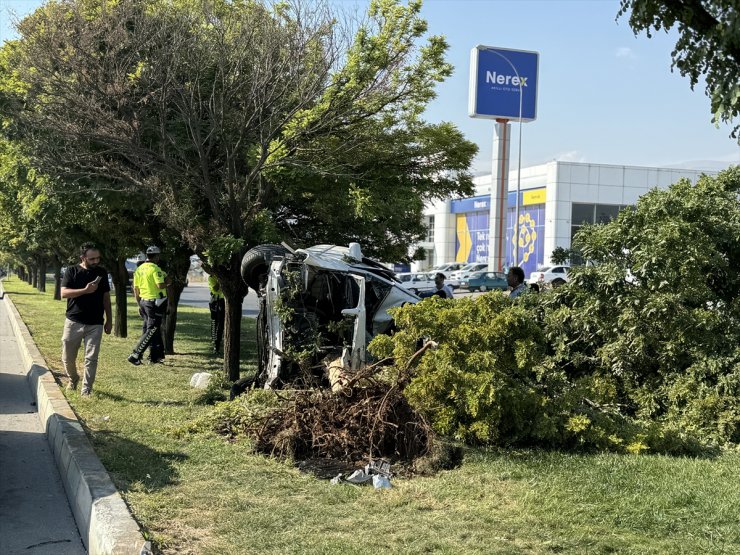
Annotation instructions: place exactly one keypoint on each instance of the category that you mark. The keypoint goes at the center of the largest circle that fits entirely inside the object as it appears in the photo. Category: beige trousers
(73, 336)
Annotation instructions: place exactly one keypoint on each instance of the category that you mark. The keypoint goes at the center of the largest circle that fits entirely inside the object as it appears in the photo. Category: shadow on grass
(146, 402)
(135, 466)
(673, 446)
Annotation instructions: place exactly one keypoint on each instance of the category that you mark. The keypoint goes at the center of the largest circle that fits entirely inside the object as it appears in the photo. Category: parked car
(485, 281)
(554, 275)
(318, 307)
(456, 277)
(417, 282)
(447, 269)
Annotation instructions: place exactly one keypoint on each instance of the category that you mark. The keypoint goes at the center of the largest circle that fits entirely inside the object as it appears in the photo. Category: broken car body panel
(310, 300)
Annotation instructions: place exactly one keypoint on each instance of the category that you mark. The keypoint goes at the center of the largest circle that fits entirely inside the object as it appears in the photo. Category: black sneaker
(158, 361)
(133, 359)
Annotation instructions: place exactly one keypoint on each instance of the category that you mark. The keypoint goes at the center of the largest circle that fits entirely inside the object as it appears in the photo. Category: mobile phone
(97, 280)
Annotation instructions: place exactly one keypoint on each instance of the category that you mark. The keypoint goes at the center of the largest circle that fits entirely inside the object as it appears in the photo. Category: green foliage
(232, 418)
(708, 45)
(639, 352)
(221, 250)
(483, 381)
(241, 121)
(561, 255)
(659, 310)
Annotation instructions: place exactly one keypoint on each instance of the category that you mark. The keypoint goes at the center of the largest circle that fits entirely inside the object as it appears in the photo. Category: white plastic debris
(381, 482)
(379, 472)
(200, 380)
(358, 477)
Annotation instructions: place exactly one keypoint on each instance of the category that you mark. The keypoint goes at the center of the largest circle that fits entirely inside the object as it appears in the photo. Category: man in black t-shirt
(86, 289)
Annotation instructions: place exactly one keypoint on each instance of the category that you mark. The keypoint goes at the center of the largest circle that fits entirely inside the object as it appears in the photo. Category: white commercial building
(555, 199)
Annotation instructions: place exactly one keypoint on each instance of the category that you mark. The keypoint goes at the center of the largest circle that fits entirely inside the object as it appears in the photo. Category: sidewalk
(35, 516)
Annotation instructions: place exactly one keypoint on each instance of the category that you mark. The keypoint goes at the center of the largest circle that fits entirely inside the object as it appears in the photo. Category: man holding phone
(85, 286)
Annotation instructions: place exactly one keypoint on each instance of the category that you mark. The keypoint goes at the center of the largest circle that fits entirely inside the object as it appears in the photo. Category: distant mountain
(709, 165)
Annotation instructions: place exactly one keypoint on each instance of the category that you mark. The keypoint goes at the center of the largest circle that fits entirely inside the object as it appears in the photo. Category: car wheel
(557, 282)
(256, 263)
(482, 288)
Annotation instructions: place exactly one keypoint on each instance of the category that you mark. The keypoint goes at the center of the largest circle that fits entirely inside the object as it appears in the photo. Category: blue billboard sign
(503, 83)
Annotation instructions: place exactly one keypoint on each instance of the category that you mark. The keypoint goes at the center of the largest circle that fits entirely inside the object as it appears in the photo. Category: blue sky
(605, 96)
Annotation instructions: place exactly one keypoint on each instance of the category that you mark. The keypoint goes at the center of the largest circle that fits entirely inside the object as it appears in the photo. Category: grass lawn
(202, 495)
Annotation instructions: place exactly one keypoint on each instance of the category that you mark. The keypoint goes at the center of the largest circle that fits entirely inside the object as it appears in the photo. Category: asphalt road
(197, 294)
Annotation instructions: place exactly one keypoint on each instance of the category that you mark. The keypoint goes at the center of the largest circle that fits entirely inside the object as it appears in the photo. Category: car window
(557, 270)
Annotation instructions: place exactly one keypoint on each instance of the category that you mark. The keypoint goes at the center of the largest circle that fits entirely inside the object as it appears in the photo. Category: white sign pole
(499, 195)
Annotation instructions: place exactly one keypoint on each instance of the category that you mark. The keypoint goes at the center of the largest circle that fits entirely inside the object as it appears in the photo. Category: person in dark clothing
(217, 307)
(87, 291)
(515, 279)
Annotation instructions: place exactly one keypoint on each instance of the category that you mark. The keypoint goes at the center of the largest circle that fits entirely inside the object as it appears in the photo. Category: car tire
(256, 263)
(557, 282)
(482, 288)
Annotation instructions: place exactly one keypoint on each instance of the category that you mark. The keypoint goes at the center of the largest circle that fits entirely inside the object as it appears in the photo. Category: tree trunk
(42, 275)
(34, 275)
(232, 332)
(120, 279)
(57, 279)
(234, 290)
(177, 270)
(170, 322)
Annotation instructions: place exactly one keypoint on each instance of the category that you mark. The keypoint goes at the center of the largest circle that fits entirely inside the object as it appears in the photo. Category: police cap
(153, 250)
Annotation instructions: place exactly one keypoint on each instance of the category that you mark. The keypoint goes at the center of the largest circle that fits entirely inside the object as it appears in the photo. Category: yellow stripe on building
(463, 235)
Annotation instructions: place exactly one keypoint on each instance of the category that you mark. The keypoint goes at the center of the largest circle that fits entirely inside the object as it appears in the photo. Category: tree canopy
(245, 122)
(708, 45)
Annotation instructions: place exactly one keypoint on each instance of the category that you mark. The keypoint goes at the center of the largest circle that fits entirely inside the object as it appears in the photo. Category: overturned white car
(320, 304)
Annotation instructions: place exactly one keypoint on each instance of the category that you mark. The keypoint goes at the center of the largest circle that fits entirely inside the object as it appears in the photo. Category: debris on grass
(364, 417)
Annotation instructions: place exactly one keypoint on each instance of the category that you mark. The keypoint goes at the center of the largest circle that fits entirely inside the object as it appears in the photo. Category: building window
(605, 213)
(582, 214)
(430, 229)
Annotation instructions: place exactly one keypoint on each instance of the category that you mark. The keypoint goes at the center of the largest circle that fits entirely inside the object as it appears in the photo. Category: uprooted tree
(639, 350)
(242, 120)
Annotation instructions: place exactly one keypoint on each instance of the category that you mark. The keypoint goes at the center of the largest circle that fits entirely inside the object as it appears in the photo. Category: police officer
(150, 292)
(217, 306)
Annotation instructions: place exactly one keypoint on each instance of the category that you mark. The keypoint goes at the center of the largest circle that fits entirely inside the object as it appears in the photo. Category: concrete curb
(102, 517)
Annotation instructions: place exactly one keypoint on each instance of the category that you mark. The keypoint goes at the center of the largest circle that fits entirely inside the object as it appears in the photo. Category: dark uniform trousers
(153, 316)
(217, 306)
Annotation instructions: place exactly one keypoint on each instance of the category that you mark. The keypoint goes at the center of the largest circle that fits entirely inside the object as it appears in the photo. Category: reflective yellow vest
(147, 278)
(212, 284)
